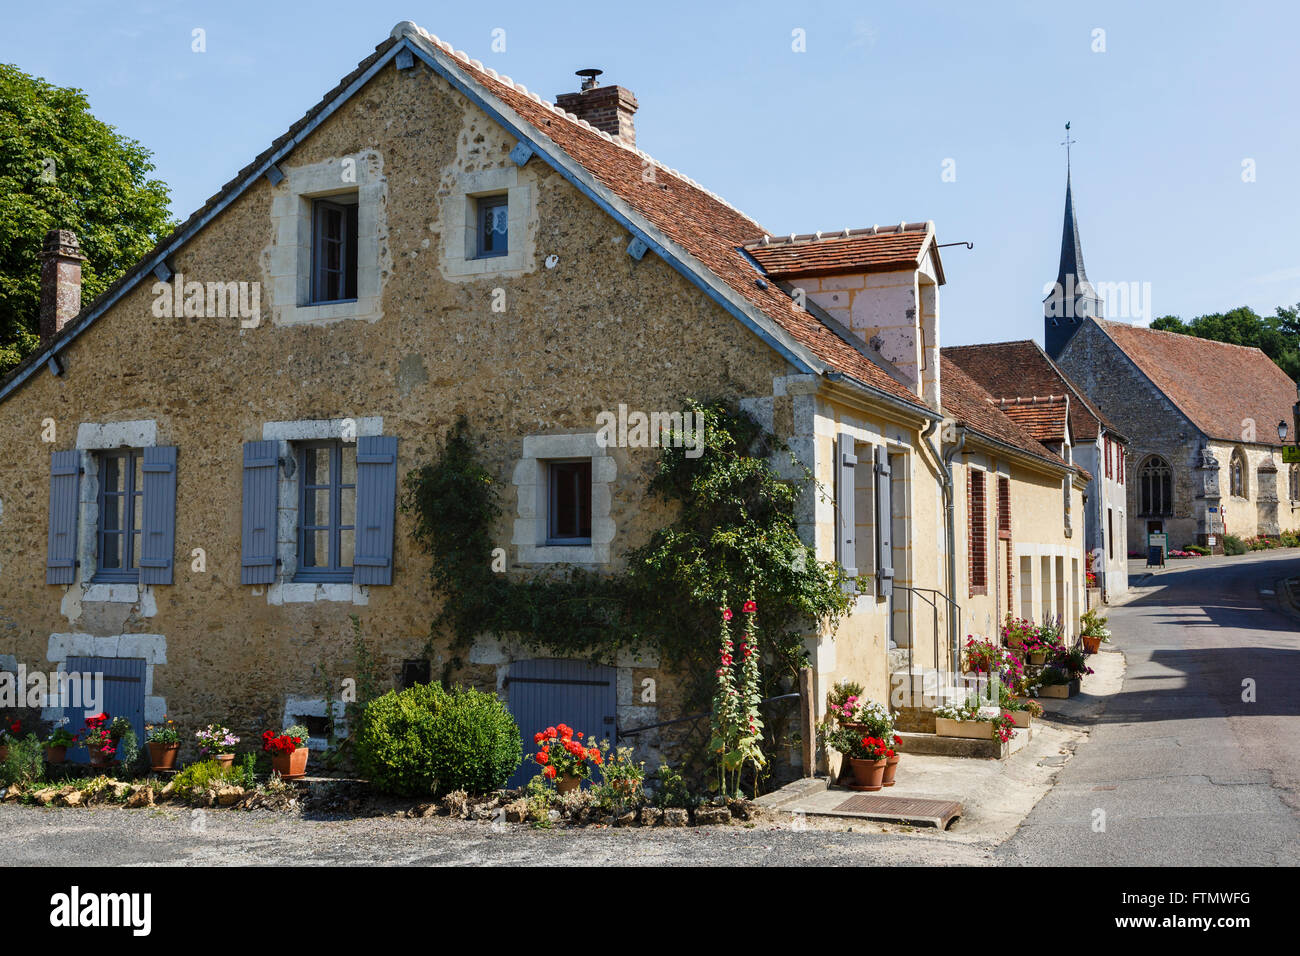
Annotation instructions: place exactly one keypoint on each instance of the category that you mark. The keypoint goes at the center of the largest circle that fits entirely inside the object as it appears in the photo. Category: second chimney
(607, 108)
(61, 261)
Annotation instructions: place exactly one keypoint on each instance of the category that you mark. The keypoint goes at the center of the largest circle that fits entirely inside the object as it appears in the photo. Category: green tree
(60, 168)
(1277, 335)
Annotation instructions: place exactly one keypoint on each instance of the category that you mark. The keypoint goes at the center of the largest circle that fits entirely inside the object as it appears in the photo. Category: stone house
(1032, 389)
(209, 454)
(1202, 419)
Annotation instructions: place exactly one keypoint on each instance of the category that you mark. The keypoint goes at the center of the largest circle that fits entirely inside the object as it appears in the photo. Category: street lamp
(1281, 432)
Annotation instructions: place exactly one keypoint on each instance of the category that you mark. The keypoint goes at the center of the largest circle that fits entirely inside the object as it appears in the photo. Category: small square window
(493, 227)
(334, 249)
(568, 516)
(327, 507)
(121, 513)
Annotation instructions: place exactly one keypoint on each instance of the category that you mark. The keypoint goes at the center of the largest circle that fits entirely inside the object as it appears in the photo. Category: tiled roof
(1022, 369)
(1044, 418)
(703, 225)
(854, 250)
(965, 400)
(1219, 386)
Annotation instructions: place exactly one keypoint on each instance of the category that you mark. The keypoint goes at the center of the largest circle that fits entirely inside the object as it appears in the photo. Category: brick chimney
(61, 261)
(607, 108)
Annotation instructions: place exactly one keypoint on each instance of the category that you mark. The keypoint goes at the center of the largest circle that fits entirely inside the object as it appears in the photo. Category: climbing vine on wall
(730, 529)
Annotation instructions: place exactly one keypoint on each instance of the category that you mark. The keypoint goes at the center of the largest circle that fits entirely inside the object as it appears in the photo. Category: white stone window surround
(286, 590)
(460, 225)
(289, 259)
(151, 647)
(530, 478)
(94, 437)
(295, 708)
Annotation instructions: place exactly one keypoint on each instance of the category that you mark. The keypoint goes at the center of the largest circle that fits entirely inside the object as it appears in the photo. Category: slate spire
(1071, 299)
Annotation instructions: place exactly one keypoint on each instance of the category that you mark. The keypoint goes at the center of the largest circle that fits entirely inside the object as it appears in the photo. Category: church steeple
(1071, 299)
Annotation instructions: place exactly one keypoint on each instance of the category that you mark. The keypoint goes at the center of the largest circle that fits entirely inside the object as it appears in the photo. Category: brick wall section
(61, 260)
(607, 108)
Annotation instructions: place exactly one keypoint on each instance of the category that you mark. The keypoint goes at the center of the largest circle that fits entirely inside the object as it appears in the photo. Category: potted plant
(868, 757)
(842, 699)
(13, 730)
(565, 761)
(288, 751)
(973, 720)
(57, 744)
(1019, 631)
(98, 741)
(164, 744)
(217, 742)
(1094, 631)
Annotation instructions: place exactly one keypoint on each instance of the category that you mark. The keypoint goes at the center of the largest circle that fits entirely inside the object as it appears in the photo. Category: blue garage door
(122, 695)
(546, 692)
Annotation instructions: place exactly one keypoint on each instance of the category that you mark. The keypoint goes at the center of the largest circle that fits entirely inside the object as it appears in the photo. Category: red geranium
(560, 755)
(280, 743)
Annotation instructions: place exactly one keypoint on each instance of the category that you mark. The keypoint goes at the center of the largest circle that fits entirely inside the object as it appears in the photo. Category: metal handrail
(954, 608)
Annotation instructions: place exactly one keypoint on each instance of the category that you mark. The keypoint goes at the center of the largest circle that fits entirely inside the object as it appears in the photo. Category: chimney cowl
(61, 260)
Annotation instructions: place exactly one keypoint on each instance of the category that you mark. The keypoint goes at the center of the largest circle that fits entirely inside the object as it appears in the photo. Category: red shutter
(977, 531)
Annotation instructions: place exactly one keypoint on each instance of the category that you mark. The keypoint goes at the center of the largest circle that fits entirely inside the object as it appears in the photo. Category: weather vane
(1068, 142)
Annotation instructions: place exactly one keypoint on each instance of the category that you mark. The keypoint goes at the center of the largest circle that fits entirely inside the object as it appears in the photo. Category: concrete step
(933, 744)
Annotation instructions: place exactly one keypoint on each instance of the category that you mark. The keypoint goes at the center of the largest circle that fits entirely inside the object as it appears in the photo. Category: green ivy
(732, 532)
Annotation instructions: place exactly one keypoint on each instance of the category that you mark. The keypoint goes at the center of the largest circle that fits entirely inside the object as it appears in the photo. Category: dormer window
(493, 226)
(334, 249)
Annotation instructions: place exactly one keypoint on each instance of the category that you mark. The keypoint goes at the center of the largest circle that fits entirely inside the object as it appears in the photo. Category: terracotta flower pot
(1038, 657)
(163, 756)
(225, 760)
(99, 759)
(1091, 645)
(567, 784)
(290, 766)
(867, 774)
(891, 768)
(859, 728)
(56, 754)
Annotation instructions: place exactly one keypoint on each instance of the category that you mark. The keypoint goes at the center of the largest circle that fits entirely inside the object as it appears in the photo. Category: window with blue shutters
(327, 508)
(65, 502)
(121, 513)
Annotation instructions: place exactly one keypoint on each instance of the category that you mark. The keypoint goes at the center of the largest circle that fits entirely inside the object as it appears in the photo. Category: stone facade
(1203, 508)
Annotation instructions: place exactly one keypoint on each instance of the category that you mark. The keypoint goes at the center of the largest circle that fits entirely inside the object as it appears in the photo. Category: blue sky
(851, 132)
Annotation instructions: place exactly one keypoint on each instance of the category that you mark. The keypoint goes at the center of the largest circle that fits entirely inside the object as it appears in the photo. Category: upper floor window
(1237, 474)
(568, 514)
(334, 249)
(493, 228)
(327, 510)
(121, 515)
(1155, 482)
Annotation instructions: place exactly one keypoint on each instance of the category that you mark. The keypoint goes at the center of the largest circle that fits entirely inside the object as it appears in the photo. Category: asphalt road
(1181, 770)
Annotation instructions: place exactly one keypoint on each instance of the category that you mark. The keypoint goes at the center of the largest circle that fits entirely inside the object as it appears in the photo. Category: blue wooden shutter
(61, 547)
(261, 492)
(845, 496)
(121, 682)
(884, 524)
(376, 509)
(158, 535)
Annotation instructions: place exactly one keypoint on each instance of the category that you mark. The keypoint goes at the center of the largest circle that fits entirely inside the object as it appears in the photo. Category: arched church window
(1237, 474)
(1156, 486)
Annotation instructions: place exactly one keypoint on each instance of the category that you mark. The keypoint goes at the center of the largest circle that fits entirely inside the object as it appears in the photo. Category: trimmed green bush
(1233, 545)
(425, 741)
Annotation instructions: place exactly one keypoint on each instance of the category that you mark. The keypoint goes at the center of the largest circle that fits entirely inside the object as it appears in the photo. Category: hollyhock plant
(737, 729)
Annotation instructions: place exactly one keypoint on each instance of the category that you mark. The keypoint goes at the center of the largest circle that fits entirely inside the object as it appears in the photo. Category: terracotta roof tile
(1022, 370)
(1218, 386)
(968, 402)
(839, 254)
(1043, 418)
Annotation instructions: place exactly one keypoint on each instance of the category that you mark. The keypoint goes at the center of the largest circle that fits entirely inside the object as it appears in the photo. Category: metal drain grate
(936, 813)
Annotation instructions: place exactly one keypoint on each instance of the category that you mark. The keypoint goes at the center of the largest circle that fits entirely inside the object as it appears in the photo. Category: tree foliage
(60, 168)
(1277, 335)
